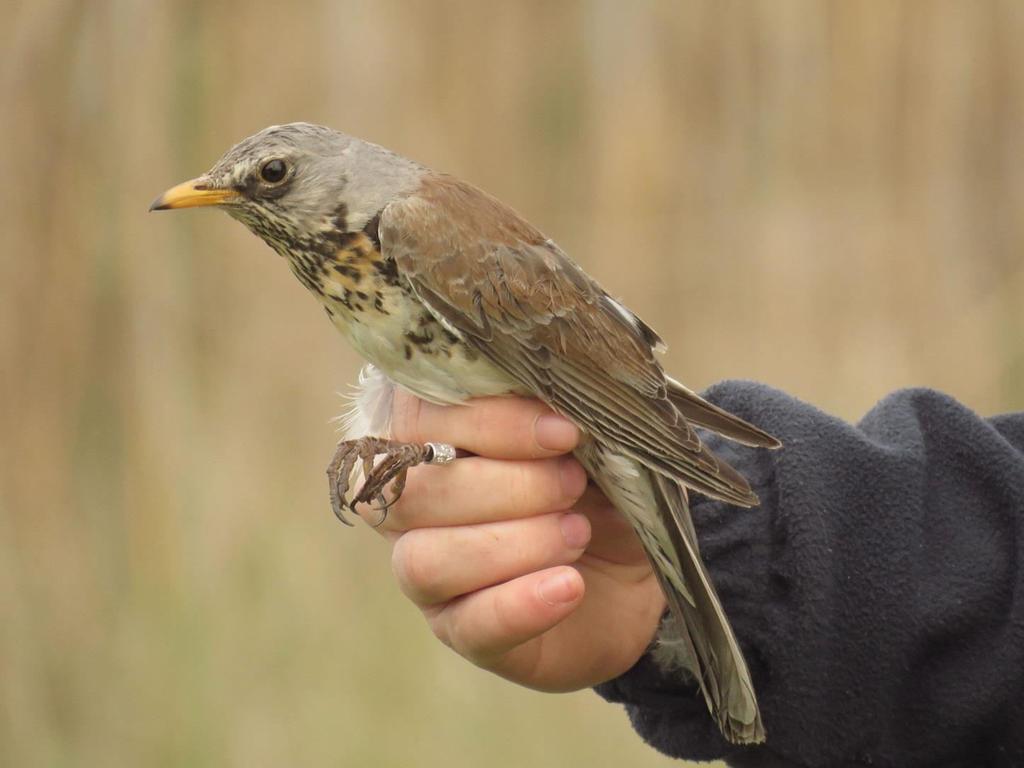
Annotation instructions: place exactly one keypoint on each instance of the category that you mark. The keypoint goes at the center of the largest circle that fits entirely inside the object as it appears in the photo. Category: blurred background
(824, 196)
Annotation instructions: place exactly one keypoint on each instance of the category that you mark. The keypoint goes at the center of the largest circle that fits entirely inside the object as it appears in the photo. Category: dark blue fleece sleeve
(878, 591)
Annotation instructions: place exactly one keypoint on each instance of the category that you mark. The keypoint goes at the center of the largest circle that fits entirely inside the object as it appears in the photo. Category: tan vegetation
(823, 196)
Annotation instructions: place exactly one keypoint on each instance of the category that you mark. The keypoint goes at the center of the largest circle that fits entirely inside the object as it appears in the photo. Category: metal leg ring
(441, 453)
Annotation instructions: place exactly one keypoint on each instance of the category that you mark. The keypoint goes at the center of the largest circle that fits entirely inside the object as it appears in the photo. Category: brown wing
(531, 310)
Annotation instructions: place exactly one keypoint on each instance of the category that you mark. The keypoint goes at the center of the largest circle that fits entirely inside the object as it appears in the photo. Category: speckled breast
(366, 299)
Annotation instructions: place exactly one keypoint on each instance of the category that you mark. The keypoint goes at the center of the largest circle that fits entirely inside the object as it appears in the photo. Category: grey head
(295, 184)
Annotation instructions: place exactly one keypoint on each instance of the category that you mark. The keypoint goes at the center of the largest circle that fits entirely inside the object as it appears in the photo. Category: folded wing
(502, 286)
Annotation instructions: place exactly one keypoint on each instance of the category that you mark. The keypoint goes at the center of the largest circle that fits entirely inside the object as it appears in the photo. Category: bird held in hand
(450, 294)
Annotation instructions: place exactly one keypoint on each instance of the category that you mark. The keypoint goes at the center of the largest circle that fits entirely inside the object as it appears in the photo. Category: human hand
(516, 563)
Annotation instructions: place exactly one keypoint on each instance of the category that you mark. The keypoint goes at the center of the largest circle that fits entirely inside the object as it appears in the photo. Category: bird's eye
(273, 171)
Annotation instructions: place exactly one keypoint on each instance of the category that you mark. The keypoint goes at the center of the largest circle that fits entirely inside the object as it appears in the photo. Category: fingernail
(575, 530)
(553, 433)
(573, 477)
(559, 589)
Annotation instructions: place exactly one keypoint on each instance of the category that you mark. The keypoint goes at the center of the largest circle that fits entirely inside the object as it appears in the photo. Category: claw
(391, 471)
(338, 473)
(383, 505)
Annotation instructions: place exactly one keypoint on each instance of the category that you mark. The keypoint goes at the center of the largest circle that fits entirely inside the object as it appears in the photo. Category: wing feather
(520, 300)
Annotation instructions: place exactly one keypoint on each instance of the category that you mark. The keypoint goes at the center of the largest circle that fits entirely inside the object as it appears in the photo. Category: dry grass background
(822, 195)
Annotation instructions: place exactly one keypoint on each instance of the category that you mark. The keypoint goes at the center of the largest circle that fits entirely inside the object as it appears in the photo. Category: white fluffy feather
(370, 409)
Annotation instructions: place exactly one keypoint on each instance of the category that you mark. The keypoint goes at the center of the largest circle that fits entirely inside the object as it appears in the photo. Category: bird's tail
(702, 641)
(708, 415)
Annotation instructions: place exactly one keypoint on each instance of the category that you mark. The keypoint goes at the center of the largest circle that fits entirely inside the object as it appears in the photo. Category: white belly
(444, 378)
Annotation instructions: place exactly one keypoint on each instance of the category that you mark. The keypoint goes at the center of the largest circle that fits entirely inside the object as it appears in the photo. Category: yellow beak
(192, 194)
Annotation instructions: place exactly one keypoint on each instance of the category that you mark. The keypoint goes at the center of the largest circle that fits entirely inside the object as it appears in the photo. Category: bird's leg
(339, 471)
(392, 469)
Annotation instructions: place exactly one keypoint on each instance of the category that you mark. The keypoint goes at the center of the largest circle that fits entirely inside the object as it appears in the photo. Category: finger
(479, 490)
(497, 427)
(484, 625)
(435, 565)
(613, 538)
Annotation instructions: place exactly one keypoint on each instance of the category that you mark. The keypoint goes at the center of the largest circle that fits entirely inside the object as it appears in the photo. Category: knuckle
(494, 627)
(405, 417)
(414, 563)
(454, 634)
(533, 486)
(503, 614)
(479, 629)
(521, 487)
(463, 633)
(480, 420)
(413, 502)
(439, 626)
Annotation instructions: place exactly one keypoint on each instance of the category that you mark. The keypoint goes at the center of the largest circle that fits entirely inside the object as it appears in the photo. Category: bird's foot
(391, 469)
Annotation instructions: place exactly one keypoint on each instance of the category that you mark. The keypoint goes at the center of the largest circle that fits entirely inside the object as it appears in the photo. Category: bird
(450, 294)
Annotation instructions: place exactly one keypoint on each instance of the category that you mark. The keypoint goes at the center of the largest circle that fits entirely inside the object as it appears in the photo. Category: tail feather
(704, 644)
(704, 414)
(718, 662)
